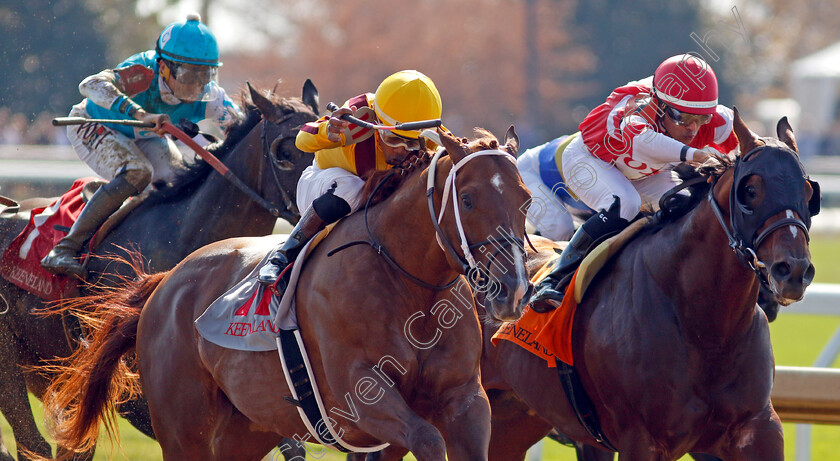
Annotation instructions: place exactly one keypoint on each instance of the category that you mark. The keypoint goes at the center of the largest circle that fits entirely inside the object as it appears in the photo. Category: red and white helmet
(687, 83)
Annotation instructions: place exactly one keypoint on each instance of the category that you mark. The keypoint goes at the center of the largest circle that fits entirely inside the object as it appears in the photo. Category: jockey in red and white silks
(622, 157)
(626, 149)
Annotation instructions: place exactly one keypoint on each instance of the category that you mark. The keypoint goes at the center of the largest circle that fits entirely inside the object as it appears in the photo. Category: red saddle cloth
(21, 262)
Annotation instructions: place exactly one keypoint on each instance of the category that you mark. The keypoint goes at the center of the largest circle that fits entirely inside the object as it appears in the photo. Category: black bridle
(289, 210)
(744, 224)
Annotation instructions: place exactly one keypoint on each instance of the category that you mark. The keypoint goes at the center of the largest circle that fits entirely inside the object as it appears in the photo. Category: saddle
(49, 221)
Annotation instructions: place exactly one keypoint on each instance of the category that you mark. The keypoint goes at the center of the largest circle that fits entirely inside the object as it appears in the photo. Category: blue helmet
(190, 42)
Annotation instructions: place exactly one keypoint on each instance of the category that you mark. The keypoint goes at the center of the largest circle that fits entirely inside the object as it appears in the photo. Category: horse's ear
(310, 96)
(452, 145)
(512, 141)
(265, 106)
(785, 133)
(746, 138)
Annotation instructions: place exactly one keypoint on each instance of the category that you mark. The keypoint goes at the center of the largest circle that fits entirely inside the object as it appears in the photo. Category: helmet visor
(684, 118)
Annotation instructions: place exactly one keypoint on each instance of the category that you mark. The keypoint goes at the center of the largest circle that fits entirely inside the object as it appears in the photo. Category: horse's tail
(96, 378)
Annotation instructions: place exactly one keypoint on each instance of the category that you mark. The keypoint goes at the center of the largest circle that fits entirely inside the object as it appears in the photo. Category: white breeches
(547, 213)
(110, 152)
(315, 182)
(595, 182)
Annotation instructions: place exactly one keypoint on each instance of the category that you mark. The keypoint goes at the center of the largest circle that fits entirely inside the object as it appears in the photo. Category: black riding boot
(105, 201)
(595, 230)
(325, 210)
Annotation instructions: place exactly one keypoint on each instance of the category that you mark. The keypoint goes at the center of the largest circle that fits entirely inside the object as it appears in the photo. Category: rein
(746, 252)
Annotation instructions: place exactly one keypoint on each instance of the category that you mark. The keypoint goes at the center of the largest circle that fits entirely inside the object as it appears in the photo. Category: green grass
(797, 341)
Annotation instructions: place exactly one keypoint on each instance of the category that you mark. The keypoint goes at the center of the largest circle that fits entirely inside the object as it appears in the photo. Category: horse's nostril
(809, 274)
(781, 271)
(500, 292)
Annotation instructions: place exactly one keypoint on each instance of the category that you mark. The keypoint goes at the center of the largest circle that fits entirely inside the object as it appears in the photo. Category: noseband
(467, 263)
(744, 223)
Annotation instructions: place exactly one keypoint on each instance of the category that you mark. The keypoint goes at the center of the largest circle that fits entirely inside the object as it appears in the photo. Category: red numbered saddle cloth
(21, 262)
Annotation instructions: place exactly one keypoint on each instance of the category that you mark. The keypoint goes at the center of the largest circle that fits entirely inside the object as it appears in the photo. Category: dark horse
(200, 208)
(391, 334)
(669, 344)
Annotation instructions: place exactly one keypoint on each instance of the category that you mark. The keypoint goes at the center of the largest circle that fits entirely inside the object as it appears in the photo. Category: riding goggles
(191, 74)
(395, 141)
(685, 119)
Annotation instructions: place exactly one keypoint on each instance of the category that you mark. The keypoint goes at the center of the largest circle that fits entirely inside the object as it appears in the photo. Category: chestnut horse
(393, 362)
(669, 344)
(201, 207)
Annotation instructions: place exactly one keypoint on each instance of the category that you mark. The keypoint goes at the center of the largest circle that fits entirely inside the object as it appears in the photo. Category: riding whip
(186, 139)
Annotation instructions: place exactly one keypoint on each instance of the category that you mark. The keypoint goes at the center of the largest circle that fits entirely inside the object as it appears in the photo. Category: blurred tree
(474, 50)
(49, 46)
(630, 39)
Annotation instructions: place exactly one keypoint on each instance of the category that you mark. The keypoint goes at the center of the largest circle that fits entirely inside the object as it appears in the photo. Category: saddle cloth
(248, 317)
(21, 262)
(549, 335)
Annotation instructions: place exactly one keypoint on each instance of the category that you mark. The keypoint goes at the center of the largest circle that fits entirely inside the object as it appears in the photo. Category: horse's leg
(389, 453)
(464, 422)
(393, 421)
(760, 438)
(513, 430)
(292, 450)
(14, 399)
(589, 453)
(237, 438)
(4, 452)
(136, 411)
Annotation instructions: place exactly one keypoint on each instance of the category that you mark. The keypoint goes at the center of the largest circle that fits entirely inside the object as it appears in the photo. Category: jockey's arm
(314, 136)
(220, 114)
(102, 88)
(654, 147)
(105, 91)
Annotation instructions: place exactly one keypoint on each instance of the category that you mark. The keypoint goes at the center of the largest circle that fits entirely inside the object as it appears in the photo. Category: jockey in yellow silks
(346, 155)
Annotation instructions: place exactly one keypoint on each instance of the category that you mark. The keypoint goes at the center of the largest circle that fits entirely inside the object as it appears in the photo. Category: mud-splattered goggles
(191, 74)
(395, 141)
(685, 119)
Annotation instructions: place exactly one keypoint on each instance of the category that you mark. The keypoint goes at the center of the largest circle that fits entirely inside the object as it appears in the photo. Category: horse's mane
(483, 140)
(677, 206)
(187, 181)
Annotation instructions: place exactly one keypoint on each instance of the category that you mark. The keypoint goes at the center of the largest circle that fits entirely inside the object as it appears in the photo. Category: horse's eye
(466, 201)
(750, 193)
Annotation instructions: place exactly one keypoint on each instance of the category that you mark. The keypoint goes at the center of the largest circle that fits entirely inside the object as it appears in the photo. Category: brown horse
(393, 362)
(668, 342)
(201, 207)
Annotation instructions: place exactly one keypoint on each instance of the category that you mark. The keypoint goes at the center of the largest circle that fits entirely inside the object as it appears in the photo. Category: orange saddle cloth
(549, 335)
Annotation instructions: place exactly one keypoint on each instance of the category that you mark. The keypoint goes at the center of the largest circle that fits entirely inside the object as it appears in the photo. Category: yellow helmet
(407, 96)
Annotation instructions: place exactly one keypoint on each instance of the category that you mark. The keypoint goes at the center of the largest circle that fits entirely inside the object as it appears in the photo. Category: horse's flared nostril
(809, 275)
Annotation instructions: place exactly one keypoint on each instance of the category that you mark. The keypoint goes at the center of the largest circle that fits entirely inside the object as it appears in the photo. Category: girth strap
(581, 404)
(307, 397)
